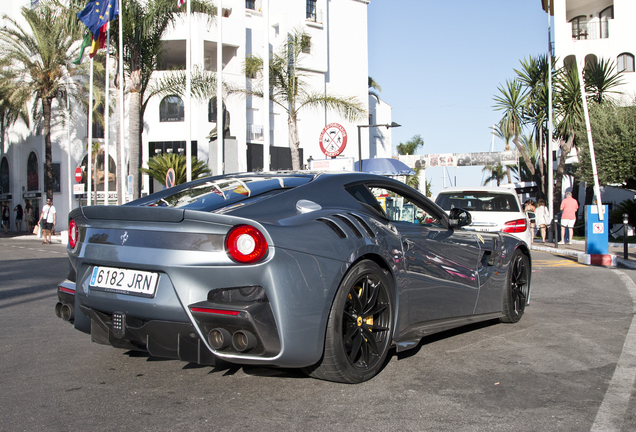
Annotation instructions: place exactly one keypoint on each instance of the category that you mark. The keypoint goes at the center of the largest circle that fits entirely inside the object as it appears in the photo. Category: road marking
(555, 263)
(612, 411)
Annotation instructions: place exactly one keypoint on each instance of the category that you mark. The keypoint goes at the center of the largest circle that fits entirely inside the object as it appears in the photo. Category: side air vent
(364, 225)
(339, 232)
(349, 225)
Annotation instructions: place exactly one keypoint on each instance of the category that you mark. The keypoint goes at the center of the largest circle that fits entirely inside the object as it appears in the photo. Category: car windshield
(478, 201)
(222, 195)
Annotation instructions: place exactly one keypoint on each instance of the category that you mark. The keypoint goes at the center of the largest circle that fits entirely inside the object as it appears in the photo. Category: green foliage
(614, 137)
(497, 173)
(411, 146)
(627, 206)
(158, 167)
(414, 180)
(289, 87)
(34, 54)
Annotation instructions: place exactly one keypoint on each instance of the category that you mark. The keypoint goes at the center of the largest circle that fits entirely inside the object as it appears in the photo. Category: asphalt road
(569, 365)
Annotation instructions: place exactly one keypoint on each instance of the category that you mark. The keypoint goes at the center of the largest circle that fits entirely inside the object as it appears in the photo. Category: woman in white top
(543, 218)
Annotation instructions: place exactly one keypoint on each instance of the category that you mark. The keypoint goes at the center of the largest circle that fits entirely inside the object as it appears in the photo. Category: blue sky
(439, 64)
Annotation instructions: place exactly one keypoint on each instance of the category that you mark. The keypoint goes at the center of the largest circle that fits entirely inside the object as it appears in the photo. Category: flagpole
(90, 136)
(266, 159)
(106, 116)
(220, 136)
(122, 164)
(188, 90)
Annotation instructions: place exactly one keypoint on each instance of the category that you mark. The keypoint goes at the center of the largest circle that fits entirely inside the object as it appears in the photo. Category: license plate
(125, 281)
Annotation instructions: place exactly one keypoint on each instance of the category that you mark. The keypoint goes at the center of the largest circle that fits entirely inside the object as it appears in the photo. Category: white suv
(491, 208)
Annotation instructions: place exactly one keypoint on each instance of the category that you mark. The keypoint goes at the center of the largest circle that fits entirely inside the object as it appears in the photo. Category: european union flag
(97, 13)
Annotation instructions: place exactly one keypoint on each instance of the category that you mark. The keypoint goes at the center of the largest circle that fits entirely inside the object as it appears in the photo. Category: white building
(585, 30)
(337, 64)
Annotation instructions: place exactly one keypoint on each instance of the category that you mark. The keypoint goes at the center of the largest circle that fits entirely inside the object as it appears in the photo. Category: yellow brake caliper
(359, 321)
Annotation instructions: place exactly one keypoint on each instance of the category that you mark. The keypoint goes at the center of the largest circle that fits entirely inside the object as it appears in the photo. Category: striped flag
(180, 3)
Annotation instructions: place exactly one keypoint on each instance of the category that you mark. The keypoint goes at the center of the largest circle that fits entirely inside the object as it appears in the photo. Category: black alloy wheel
(516, 293)
(360, 325)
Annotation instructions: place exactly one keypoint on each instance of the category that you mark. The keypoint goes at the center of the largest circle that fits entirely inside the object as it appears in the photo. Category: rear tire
(360, 326)
(515, 295)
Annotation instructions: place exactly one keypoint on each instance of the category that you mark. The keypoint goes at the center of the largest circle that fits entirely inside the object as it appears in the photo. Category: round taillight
(245, 244)
(73, 234)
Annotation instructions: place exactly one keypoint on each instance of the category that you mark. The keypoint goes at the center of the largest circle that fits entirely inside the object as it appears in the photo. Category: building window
(625, 62)
(311, 10)
(306, 44)
(579, 27)
(171, 109)
(250, 4)
(604, 17)
(33, 179)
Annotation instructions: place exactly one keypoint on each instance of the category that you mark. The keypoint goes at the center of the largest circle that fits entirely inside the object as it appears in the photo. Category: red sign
(78, 174)
(333, 139)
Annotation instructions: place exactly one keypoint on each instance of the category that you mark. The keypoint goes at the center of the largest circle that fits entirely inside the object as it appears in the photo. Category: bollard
(555, 233)
(625, 231)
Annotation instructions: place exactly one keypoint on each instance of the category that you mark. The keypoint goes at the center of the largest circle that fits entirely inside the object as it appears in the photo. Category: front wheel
(359, 329)
(517, 289)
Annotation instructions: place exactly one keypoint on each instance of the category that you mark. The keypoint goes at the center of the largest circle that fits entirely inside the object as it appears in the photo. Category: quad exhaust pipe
(241, 340)
(64, 311)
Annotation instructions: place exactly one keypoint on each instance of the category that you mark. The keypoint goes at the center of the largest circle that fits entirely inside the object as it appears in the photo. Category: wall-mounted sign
(333, 139)
(337, 164)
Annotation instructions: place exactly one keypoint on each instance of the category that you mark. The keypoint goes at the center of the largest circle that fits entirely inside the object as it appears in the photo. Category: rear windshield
(223, 195)
(478, 201)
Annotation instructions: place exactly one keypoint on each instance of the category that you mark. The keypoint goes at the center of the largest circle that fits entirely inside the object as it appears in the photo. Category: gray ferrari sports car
(321, 271)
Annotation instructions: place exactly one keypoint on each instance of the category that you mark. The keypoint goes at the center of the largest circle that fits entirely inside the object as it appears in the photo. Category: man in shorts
(47, 221)
(569, 207)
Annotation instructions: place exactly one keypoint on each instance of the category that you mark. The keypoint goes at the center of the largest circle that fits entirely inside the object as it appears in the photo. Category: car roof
(479, 189)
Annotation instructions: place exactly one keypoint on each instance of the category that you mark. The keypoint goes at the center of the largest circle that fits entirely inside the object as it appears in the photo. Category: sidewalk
(55, 238)
(578, 248)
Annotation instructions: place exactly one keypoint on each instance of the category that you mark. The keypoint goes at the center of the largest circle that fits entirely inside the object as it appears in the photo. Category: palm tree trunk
(294, 141)
(524, 154)
(118, 177)
(134, 131)
(48, 157)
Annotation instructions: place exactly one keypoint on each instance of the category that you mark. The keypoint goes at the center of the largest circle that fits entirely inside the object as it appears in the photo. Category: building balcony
(593, 29)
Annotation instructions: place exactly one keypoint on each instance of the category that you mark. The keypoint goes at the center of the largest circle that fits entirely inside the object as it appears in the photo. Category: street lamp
(392, 125)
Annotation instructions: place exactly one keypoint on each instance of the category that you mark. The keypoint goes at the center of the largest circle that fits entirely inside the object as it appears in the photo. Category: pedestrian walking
(47, 220)
(6, 217)
(569, 207)
(542, 214)
(30, 219)
(19, 213)
(529, 208)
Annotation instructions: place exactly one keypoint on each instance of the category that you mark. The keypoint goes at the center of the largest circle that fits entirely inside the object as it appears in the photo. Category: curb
(589, 259)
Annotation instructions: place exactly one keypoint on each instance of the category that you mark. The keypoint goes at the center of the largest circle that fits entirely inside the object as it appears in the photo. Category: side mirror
(459, 217)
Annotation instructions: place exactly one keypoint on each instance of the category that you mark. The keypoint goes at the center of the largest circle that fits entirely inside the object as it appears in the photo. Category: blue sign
(596, 231)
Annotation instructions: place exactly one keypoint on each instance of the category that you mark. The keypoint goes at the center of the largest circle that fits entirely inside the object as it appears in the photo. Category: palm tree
(144, 25)
(11, 109)
(599, 79)
(411, 146)
(512, 101)
(374, 88)
(497, 173)
(39, 57)
(158, 167)
(289, 89)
